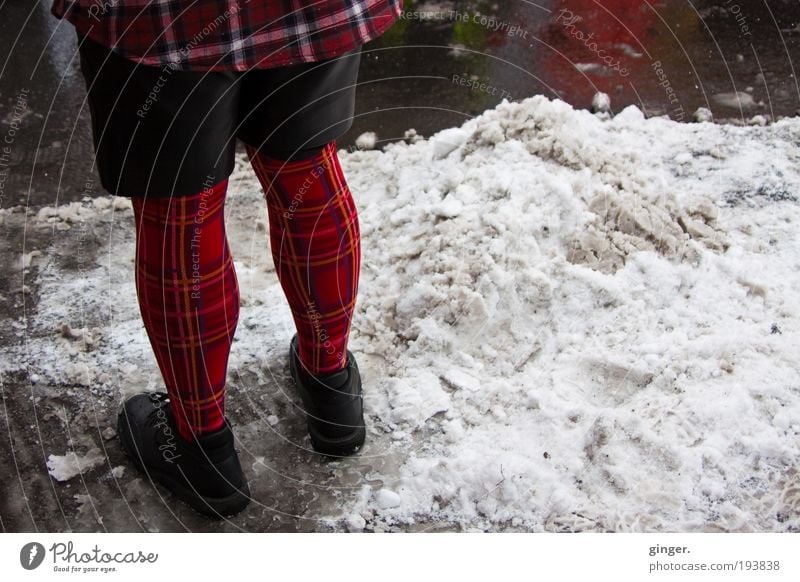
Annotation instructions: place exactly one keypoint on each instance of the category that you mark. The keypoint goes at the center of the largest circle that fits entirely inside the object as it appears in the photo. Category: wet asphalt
(440, 64)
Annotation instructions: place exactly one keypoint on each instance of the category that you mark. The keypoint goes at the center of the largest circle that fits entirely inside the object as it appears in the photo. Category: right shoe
(205, 474)
(333, 405)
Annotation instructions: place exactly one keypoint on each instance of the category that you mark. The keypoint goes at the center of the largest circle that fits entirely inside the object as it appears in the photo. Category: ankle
(325, 366)
(196, 435)
(334, 379)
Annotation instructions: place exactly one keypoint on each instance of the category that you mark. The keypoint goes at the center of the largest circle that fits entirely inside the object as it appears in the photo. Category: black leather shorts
(164, 132)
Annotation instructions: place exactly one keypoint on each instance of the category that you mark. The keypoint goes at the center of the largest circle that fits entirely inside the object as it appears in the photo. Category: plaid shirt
(229, 34)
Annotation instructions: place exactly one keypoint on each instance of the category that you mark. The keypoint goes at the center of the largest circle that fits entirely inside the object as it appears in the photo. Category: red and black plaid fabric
(188, 290)
(316, 247)
(189, 300)
(229, 34)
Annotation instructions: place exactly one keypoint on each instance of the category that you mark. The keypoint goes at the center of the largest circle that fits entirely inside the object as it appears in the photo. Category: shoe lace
(158, 399)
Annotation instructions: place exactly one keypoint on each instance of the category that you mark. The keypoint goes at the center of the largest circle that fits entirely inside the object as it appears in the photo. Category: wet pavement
(442, 63)
(446, 61)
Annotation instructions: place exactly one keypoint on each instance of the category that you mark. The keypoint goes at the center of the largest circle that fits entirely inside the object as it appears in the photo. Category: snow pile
(587, 324)
(564, 322)
(367, 140)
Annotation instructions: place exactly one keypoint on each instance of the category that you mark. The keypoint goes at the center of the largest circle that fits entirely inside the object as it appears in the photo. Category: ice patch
(65, 467)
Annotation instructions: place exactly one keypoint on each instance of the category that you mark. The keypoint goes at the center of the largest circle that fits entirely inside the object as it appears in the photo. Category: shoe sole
(332, 446)
(216, 507)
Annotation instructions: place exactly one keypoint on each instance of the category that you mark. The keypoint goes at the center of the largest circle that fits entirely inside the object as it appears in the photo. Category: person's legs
(189, 300)
(165, 139)
(290, 118)
(315, 239)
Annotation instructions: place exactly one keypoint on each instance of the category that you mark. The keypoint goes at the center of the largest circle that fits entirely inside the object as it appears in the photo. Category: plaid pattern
(189, 300)
(316, 248)
(188, 291)
(229, 34)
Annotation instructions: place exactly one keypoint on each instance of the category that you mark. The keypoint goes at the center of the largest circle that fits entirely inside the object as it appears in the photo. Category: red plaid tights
(187, 287)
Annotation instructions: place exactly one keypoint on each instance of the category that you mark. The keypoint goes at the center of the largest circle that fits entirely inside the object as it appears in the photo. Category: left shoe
(206, 474)
(333, 404)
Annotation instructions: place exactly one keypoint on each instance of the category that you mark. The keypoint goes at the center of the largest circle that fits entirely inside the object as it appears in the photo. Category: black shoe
(333, 405)
(205, 474)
